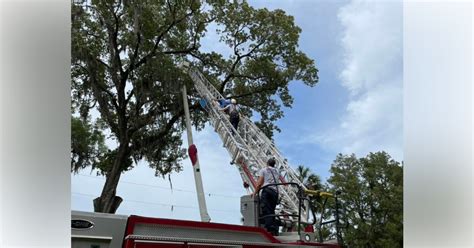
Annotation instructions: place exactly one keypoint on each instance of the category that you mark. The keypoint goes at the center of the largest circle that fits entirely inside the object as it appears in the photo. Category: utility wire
(161, 187)
(156, 203)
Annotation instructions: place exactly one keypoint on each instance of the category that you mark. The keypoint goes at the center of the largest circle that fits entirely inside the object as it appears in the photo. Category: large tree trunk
(108, 202)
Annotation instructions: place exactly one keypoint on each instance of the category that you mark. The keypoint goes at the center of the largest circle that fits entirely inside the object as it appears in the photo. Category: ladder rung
(236, 155)
(217, 125)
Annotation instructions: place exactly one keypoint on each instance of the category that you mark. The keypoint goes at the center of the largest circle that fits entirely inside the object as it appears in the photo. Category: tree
(124, 66)
(372, 193)
(87, 144)
(309, 179)
(313, 181)
(302, 173)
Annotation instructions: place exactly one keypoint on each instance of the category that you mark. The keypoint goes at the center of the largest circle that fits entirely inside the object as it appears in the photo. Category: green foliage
(264, 58)
(87, 144)
(309, 179)
(372, 194)
(124, 65)
(106, 162)
(313, 182)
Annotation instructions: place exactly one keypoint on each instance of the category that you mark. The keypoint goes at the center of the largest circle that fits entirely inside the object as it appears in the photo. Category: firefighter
(233, 110)
(269, 195)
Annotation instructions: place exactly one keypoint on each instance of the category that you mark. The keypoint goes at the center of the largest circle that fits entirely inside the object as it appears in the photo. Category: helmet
(271, 162)
(233, 101)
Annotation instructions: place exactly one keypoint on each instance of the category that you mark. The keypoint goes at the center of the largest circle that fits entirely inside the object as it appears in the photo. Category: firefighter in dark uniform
(269, 195)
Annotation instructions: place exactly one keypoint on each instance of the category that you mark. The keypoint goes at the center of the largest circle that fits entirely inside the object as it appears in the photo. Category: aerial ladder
(249, 148)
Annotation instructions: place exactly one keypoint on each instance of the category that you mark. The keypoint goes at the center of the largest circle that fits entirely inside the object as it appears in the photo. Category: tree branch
(132, 92)
(200, 58)
(157, 41)
(153, 139)
(185, 51)
(115, 41)
(103, 106)
(102, 87)
(236, 62)
(103, 63)
(148, 118)
(137, 45)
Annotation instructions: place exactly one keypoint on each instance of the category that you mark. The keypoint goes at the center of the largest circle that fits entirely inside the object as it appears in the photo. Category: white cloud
(372, 44)
(372, 73)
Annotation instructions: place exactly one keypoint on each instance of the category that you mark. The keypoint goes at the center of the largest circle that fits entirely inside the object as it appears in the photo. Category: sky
(356, 107)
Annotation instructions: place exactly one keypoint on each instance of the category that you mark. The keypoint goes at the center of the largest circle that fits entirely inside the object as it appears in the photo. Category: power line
(161, 187)
(156, 203)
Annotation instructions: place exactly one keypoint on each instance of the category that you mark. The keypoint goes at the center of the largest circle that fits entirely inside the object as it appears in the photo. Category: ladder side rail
(293, 198)
(209, 92)
(281, 162)
(210, 95)
(276, 153)
(213, 92)
(290, 174)
(289, 196)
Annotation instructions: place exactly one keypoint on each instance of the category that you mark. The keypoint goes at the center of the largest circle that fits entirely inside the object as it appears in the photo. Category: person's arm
(225, 108)
(259, 185)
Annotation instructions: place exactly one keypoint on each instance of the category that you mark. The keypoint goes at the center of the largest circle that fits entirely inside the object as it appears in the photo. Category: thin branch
(200, 58)
(147, 118)
(185, 51)
(95, 82)
(103, 106)
(132, 92)
(236, 45)
(170, 7)
(103, 63)
(157, 41)
(137, 45)
(164, 130)
(261, 90)
(115, 41)
(236, 62)
(248, 77)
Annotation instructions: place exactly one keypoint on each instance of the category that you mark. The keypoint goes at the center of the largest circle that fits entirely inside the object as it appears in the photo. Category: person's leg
(235, 123)
(265, 202)
(237, 119)
(273, 200)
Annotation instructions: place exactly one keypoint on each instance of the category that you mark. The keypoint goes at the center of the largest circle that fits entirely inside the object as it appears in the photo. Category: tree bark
(108, 202)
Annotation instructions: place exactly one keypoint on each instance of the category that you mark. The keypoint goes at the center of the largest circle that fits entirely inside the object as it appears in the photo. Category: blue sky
(355, 108)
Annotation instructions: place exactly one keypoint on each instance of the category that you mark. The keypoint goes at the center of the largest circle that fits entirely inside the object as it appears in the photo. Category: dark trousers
(235, 123)
(268, 202)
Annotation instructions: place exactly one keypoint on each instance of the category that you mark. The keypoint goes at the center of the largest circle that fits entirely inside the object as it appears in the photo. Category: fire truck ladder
(249, 148)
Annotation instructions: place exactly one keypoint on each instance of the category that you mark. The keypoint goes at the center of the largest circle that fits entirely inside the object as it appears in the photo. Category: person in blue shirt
(223, 102)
